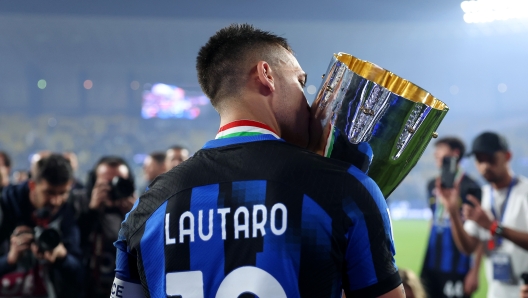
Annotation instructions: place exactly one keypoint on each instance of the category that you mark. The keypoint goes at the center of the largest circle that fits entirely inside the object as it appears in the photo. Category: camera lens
(47, 239)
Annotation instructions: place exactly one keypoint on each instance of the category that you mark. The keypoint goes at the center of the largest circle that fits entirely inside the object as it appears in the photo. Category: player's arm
(450, 198)
(127, 283)
(399, 292)
(370, 266)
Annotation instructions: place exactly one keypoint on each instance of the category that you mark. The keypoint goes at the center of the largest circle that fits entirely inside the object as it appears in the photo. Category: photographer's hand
(21, 240)
(476, 213)
(58, 253)
(450, 197)
(100, 195)
(125, 205)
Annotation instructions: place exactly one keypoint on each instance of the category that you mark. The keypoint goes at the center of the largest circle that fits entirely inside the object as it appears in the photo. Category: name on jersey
(202, 224)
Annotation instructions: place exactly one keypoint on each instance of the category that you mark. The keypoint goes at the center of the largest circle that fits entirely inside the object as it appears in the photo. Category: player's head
(50, 182)
(448, 147)
(245, 68)
(492, 156)
(175, 155)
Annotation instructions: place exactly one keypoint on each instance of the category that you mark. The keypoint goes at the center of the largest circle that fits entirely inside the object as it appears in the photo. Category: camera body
(121, 188)
(46, 239)
(449, 171)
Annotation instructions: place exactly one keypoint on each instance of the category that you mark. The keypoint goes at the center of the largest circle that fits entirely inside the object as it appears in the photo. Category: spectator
(153, 166)
(20, 176)
(29, 267)
(175, 156)
(500, 222)
(110, 190)
(74, 162)
(5, 169)
(411, 284)
(446, 271)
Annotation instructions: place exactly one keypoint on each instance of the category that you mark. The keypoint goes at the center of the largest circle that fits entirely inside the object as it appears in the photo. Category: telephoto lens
(121, 188)
(46, 239)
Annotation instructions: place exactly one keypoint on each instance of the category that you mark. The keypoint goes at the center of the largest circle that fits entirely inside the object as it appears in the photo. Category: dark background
(113, 43)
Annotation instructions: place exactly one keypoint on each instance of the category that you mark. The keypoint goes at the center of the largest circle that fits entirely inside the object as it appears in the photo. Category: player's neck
(243, 111)
(504, 182)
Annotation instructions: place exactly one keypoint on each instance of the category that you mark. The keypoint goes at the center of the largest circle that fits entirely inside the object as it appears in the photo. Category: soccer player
(252, 213)
(447, 272)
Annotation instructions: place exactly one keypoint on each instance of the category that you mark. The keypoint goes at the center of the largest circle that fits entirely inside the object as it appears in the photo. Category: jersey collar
(242, 131)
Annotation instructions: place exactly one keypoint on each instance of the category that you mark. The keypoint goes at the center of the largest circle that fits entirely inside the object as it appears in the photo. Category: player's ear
(265, 77)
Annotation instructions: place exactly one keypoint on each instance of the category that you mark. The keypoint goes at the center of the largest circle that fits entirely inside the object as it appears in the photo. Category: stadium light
(484, 11)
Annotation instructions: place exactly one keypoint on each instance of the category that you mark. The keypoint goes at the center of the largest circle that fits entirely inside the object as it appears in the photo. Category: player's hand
(58, 253)
(471, 282)
(20, 241)
(100, 195)
(449, 196)
(524, 291)
(476, 213)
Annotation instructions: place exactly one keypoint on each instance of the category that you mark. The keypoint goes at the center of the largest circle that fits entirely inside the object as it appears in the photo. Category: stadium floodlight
(484, 11)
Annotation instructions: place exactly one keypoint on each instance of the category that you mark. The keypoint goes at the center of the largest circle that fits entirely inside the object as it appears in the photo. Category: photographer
(5, 169)
(447, 272)
(40, 251)
(110, 195)
(499, 222)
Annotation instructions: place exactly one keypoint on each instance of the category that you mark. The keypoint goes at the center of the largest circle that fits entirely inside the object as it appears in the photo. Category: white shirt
(515, 217)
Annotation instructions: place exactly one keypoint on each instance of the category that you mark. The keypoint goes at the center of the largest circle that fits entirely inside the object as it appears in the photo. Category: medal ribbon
(497, 241)
(244, 128)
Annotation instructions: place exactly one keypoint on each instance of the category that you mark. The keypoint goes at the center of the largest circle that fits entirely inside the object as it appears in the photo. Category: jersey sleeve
(126, 282)
(371, 269)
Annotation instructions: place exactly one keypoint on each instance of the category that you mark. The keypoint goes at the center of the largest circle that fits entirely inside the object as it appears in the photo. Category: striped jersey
(250, 215)
(442, 253)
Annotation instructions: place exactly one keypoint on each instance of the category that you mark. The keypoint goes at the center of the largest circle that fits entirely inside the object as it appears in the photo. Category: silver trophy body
(359, 101)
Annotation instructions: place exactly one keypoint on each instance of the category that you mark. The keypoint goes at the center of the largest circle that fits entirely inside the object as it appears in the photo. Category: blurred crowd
(57, 232)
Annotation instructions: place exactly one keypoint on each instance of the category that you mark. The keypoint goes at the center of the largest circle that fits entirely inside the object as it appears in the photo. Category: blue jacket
(16, 210)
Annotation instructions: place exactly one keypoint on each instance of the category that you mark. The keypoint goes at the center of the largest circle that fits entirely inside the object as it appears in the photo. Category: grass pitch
(411, 238)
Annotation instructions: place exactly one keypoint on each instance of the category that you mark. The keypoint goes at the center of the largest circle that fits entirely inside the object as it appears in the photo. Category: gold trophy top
(390, 81)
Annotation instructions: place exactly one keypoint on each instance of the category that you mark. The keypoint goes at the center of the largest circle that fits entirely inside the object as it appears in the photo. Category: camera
(121, 188)
(46, 239)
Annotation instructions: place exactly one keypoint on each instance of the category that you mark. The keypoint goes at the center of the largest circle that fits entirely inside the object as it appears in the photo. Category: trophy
(359, 102)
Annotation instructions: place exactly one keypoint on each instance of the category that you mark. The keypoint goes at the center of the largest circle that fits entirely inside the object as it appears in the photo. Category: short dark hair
(55, 169)
(177, 147)
(112, 161)
(453, 143)
(6, 158)
(221, 60)
(158, 157)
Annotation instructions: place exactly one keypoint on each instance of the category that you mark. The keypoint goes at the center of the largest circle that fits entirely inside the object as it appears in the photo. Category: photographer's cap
(489, 143)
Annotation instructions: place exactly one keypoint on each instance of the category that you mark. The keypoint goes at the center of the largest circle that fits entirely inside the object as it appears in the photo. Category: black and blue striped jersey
(253, 216)
(444, 264)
